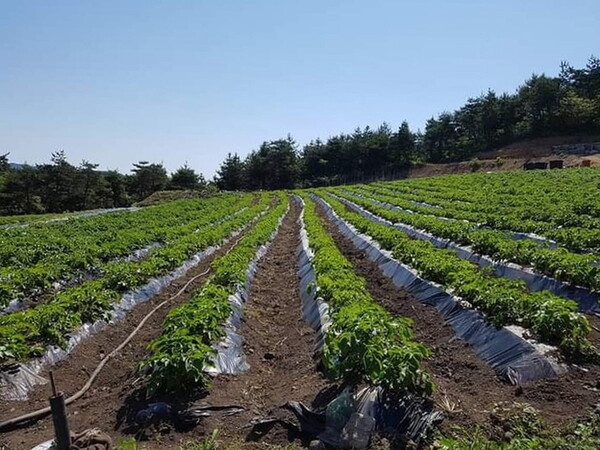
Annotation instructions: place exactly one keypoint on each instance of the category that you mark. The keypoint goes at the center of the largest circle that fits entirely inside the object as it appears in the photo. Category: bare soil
(279, 348)
(511, 157)
(533, 148)
(467, 388)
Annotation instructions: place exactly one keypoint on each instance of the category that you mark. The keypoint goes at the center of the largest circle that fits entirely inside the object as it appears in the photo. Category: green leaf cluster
(364, 343)
(25, 333)
(550, 318)
(184, 351)
(560, 263)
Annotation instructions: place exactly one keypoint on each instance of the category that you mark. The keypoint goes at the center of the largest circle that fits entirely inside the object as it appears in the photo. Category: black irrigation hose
(44, 411)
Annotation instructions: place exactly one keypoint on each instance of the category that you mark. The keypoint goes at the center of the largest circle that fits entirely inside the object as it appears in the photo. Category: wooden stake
(59, 417)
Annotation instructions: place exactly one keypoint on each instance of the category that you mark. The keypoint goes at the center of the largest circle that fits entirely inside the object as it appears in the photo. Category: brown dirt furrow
(278, 346)
(465, 383)
(102, 405)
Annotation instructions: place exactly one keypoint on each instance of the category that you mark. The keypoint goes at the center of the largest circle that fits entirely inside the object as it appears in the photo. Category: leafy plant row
(517, 187)
(364, 343)
(551, 319)
(17, 283)
(574, 231)
(185, 349)
(26, 333)
(104, 237)
(542, 201)
(559, 263)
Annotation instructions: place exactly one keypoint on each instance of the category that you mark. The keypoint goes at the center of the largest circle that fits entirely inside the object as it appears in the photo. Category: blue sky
(172, 81)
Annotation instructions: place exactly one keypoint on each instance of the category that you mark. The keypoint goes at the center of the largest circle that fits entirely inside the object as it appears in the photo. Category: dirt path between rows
(464, 383)
(279, 348)
(102, 405)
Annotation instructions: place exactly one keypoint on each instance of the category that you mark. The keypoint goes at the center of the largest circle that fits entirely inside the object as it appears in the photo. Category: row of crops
(37, 259)
(449, 235)
(364, 343)
(74, 271)
(187, 347)
(576, 270)
(184, 230)
(563, 206)
(552, 319)
(424, 223)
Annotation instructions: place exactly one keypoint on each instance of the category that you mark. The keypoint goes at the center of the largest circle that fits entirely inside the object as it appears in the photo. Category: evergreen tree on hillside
(148, 178)
(4, 165)
(186, 178)
(402, 146)
(230, 175)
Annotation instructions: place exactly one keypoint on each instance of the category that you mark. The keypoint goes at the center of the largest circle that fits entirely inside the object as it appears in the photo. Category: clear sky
(117, 81)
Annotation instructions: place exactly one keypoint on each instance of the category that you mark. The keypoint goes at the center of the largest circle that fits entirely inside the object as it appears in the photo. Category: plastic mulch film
(426, 205)
(74, 216)
(315, 311)
(352, 419)
(18, 380)
(586, 299)
(514, 358)
(519, 236)
(135, 256)
(16, 384)
(230, 358)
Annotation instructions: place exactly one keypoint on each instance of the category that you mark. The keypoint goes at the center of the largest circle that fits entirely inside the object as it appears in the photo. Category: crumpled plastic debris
(92, 439)
(352, 419)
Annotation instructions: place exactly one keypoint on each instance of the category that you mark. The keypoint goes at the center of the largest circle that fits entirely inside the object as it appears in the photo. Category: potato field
(453, 312)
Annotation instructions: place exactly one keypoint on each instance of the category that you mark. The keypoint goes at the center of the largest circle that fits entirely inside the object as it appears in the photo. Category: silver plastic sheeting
(586, 299)
(230, 358)
(519, 236)
(17, 384)
(515, 359)
(136, 255)
(352, 419)
(48, 445)
(425, 204)
(13, 306)
(315, 311)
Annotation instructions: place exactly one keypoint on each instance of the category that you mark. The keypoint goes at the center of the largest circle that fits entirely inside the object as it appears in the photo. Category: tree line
(61, 186)
(542, 106)
(566, 104)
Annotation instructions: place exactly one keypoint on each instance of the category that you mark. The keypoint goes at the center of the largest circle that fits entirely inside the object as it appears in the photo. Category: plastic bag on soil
(514, 358)
(230, 358)
(351, 420)
(586, 299)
